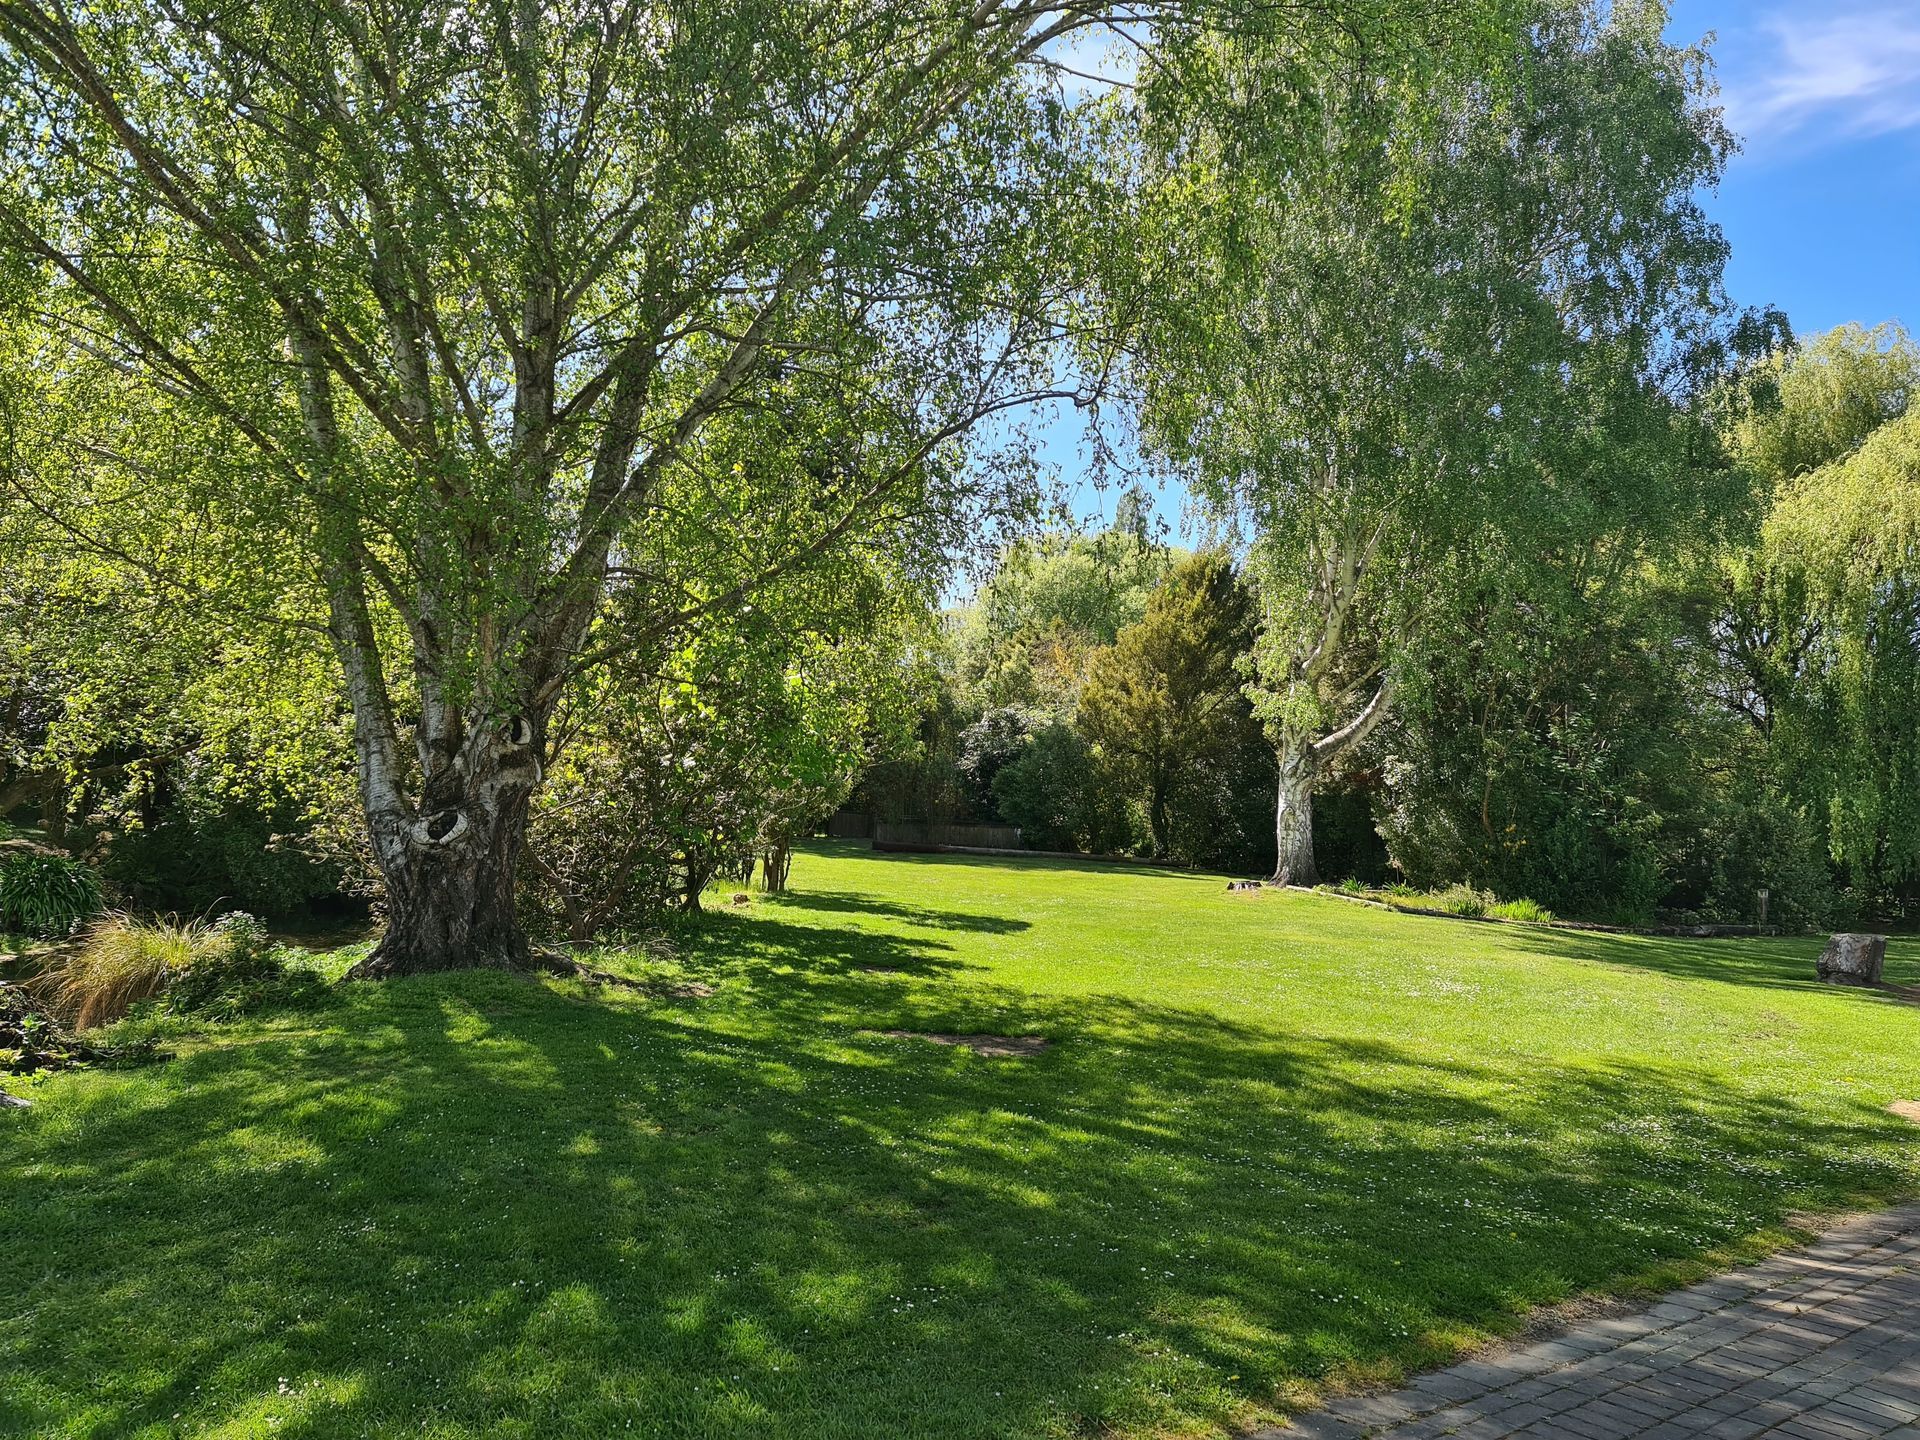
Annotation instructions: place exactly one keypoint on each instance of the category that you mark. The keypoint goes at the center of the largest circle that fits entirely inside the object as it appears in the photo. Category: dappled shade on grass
(1252, 1157)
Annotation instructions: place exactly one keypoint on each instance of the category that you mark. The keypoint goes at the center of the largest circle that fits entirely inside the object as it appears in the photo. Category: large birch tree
(512, 337)
(1402, 356)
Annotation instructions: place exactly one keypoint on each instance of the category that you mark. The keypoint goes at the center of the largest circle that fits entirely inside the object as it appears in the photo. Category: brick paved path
(1818, 1344)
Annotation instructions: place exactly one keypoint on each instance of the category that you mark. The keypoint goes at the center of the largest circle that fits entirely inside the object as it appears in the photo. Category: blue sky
(1822, 205)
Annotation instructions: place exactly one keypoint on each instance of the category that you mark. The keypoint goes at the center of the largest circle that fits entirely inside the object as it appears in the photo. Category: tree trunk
(700, 870)
(450, 873)
(774, 867)
(453, 908)
(1293, 821)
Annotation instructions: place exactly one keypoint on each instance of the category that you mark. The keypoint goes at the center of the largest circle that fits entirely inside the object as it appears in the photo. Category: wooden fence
(907, 835)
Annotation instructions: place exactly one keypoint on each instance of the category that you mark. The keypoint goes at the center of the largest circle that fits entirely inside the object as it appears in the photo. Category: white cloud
(1829, 76)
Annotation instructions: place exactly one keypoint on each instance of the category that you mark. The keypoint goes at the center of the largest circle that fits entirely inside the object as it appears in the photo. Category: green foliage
(924, 781)
(198, 856)
(1469, 902)
(1756, 835)
(1430, 362)
(1164, 710)
(559, 343)
(1671, 738)
(45, 895)
(1146, 743)
(1526, 911)
(234, 970)
(1463, 900)
(1046, 607)
(720, 752)
(1842, 554)
(986, 746)
(1545, 755)
(1060, 796)
(1558, 811)
(1820, 619)
(1807, 406)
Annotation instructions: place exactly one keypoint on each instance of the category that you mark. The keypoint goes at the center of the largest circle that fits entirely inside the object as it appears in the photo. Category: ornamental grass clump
(121, 961)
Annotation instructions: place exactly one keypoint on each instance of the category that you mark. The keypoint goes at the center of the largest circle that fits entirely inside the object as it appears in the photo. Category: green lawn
(1277, 1140)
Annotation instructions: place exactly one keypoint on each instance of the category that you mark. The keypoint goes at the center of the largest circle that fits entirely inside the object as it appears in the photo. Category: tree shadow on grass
(840, 902)
(722, 946)
(1782, 964)
(477, 1205)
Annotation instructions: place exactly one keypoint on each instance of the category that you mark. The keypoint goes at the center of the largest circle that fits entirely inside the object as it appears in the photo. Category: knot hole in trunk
(443, 827)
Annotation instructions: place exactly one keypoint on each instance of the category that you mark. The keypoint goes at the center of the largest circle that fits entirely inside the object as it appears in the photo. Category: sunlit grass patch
(1267, 1146)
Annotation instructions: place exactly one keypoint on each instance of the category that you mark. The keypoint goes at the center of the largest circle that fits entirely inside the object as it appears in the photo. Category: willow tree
(1815, 618)
(1840, 566)
(1407, 362)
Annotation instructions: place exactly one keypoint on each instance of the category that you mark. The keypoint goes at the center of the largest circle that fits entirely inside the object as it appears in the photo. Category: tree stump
(1853, 960)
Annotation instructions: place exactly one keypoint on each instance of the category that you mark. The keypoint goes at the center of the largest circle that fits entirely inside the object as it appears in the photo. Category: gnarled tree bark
(450, 873)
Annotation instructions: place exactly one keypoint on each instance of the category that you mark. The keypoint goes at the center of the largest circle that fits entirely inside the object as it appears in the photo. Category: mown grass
(1278, 1140)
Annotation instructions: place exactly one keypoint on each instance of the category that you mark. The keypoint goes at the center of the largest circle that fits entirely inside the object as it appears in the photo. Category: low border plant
(1467, 901)
(46, 895)
(1522, 910)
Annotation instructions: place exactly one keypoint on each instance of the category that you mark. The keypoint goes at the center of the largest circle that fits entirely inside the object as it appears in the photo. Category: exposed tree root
(551, 962)
(539, 961)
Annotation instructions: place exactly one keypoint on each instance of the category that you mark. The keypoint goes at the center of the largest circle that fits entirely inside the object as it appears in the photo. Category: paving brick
(1822, 1344)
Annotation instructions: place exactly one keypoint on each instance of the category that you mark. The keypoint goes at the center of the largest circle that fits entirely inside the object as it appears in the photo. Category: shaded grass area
(1278, 1139)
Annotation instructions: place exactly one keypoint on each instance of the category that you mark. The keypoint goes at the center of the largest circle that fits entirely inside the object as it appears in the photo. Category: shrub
(987, 746)
(1756, 837)
(122, 961)
(1530, 911)
(46, 895)
(235, 971)
(198, 856)
(1057, 794)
